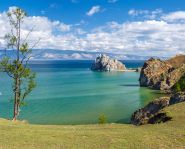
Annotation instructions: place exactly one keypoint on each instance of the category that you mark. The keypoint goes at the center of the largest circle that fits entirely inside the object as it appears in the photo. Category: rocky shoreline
(151, 113)
(156, 74)
(164, 76)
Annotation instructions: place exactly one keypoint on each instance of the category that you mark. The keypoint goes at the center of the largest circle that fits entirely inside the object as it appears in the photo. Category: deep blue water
(78, 64)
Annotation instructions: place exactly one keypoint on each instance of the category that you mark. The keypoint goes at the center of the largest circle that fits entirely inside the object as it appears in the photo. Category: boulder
(105, 63)
(143, 115)
(159, 117)
(176, 98)
(151, 113)
(161, 75)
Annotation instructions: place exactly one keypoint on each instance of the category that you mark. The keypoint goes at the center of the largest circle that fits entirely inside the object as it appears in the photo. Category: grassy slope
(177, 61)
(26, 136)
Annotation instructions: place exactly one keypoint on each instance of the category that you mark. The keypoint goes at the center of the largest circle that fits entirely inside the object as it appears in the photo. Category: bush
(180, 85)
(102, 119)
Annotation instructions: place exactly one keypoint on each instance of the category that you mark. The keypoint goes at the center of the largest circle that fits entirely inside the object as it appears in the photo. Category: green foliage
(180, 85)
(17, 67)
(30, 85)
(24, 48)
(102, 119)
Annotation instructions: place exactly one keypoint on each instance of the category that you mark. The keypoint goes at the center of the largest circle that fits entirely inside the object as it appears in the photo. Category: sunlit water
(68, 92)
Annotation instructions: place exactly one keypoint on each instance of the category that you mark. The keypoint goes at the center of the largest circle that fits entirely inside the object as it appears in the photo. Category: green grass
(170, 135)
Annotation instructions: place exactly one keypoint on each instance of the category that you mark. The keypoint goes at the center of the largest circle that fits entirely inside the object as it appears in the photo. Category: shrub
(180, 85)
(102, 119)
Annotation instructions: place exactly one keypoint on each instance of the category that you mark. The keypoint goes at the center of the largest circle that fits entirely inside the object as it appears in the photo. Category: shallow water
(68, 92)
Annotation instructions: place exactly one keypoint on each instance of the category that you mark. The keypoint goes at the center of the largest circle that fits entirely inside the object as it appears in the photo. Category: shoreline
(124, 70)
(128, 70)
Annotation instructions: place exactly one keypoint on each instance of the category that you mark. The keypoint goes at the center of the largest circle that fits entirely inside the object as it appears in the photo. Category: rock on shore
(162, 75)
(105, 63)
(151, 112)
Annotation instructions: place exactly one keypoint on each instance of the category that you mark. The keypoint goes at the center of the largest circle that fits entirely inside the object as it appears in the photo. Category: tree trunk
(15, 107)
(17, 78)
(16, 99)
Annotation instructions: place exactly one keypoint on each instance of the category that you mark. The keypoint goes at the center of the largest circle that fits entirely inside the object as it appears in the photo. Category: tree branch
(26, 63)
(35, 44)
(28, 34)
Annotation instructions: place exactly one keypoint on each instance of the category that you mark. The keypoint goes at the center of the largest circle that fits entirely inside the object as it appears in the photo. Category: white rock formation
(105, 63)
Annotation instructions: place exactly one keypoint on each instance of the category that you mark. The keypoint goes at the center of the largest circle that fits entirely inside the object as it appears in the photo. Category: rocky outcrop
(162, 75)
(151, 112)
(171, 78)
(176, 98)
(105, 63)
(152, 72)
(143, 115)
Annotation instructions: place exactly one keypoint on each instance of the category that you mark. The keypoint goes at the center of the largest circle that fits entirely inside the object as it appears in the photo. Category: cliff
(162, 75)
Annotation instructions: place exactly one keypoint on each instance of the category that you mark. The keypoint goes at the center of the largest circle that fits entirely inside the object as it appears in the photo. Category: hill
(177, 61)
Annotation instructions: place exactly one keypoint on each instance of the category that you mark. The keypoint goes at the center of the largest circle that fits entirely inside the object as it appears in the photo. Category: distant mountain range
(52, 54)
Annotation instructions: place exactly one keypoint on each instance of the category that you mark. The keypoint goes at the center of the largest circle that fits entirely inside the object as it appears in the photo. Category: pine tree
(17, 68)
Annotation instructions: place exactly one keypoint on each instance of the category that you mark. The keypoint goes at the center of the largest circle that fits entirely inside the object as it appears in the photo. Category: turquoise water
(66, 94)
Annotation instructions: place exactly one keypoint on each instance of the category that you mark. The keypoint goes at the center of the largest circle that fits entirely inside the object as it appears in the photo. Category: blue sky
(73, 11)
(143, 27)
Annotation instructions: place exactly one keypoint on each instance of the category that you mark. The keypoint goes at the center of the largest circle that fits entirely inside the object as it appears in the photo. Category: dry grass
(177, 61)
(170, 135)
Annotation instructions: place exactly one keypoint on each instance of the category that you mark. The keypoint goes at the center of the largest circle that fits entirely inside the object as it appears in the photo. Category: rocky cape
(162, 75)
(105, 63)
(151, 113)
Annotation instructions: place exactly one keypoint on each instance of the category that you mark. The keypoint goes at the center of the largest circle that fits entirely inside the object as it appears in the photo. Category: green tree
(102, 119)
(17, 67)
(180, 85)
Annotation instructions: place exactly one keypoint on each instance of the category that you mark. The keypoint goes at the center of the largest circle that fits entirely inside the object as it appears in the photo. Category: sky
(134, 27)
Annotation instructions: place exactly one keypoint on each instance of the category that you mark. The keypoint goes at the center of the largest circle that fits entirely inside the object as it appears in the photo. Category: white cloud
(80, 31)
(93, 10)
(43, 29)
(145, 13)
(148, 37)
(152, 37)
(134, 12)
(64, 27)
(175, 16)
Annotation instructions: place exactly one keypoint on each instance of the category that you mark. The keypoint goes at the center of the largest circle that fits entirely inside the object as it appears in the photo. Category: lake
(68, 92)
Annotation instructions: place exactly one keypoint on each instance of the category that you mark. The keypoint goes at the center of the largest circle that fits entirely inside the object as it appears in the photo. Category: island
(104, 63)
